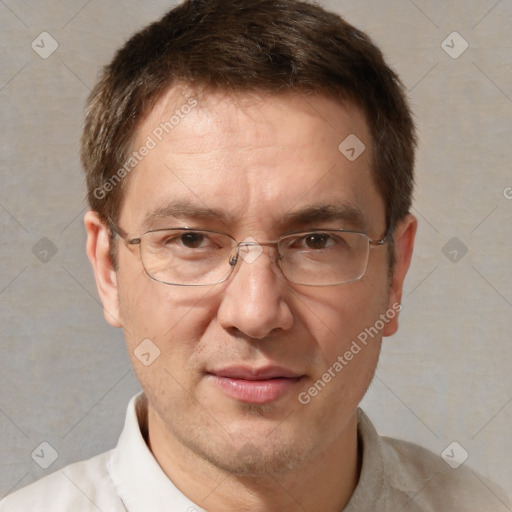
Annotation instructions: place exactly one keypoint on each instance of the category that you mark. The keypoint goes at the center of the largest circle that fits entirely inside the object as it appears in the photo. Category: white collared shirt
(395, 475)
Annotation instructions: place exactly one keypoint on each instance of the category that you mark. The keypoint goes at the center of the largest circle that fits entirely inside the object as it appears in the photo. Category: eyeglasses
(192, 257)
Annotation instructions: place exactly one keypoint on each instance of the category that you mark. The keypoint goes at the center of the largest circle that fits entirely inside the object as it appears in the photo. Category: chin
(255, 460)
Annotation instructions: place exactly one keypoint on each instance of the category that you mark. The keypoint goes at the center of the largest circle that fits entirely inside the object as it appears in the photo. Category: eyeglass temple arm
(387, 237)
(119, 233)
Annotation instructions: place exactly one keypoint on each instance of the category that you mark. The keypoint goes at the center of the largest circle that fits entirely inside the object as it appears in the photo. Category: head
(228, 116)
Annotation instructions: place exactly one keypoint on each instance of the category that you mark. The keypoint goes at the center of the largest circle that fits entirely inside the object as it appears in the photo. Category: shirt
(395, 476)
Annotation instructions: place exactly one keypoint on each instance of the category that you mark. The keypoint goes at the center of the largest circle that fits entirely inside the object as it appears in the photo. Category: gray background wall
(446, 376)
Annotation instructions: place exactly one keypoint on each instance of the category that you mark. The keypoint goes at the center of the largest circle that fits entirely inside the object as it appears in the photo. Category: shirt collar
(371, 492)
(138, 478)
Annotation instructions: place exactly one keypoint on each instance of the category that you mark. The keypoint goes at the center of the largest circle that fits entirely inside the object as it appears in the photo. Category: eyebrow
(184, 210)
(347, 214)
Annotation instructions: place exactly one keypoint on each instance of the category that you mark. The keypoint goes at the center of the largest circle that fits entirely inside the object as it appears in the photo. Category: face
(239, 360)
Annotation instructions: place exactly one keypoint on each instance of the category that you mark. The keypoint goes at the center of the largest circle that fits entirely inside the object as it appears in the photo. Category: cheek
(174, 318)
(161, 332)
(139, 303)
(337, 315)
(348, 337)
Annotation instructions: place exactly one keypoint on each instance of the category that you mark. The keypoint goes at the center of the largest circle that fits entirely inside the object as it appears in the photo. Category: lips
(255, 385)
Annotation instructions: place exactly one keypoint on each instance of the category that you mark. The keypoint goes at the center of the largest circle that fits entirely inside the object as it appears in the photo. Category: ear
(98, 252)
(403, 236)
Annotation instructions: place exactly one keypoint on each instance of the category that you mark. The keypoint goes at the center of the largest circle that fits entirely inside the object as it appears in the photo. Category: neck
(325, 482)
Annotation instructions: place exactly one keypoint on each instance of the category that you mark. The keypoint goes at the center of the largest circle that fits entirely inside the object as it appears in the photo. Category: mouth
(255, 385)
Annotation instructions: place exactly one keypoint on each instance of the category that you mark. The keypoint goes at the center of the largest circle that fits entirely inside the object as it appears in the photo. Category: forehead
(250, 159)
(217, 117)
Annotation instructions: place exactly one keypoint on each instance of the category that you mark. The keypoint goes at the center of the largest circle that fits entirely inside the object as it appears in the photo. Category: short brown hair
(275, 46)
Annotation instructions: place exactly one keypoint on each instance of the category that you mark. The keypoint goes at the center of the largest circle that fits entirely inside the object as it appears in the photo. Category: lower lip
(256, 391)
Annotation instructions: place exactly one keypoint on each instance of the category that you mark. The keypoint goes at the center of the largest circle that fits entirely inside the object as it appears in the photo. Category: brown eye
(192, 240)
(316, 241)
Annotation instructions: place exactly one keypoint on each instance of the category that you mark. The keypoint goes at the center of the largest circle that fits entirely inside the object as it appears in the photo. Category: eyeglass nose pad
(233, 260)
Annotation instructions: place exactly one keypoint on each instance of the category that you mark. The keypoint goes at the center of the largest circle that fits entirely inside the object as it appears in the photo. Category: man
(250, 171)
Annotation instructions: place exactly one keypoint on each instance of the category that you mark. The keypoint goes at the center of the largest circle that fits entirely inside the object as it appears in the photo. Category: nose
(254, 302)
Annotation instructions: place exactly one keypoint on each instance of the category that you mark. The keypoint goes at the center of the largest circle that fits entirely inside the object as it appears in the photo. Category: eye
(192, 240)
(317, 241)
(182, 240)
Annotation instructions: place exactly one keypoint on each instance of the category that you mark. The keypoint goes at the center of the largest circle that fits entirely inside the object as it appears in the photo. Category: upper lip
(255, 373)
